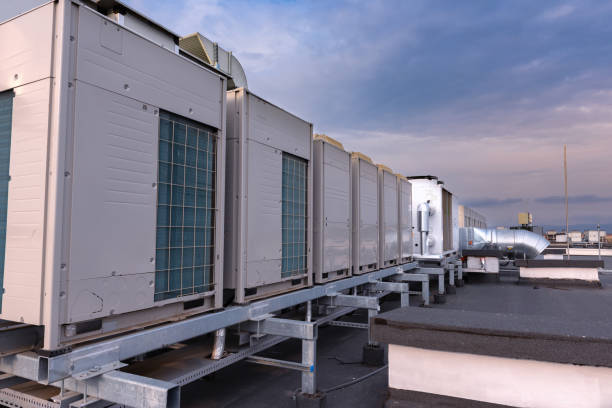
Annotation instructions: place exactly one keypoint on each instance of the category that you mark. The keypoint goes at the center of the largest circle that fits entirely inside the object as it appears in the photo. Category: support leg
(309, 357)
(451, 279)
(440, 297)
(309, 398)
(425, 292)
(459, 267)
(373, 353)
(405, 297)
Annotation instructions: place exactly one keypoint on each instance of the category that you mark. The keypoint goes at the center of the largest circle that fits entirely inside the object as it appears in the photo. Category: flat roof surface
(339, 348)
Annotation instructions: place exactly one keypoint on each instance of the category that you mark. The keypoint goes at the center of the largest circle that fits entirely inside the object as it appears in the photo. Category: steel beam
(291, 365)
(399, 287)
(128, 389)
(282, 327)
(415, 277)
(352, 325)
(130, 345)
(360, 302)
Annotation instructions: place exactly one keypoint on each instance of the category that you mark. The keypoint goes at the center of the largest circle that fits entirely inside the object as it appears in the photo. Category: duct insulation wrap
(511, 241)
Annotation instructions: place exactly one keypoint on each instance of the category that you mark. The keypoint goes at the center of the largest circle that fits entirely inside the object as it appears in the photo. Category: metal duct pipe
(219, 346)
(511, 241)
(423, 211)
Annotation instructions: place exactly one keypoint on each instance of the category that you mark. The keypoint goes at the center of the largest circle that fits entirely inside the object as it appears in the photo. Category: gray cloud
(581, 199)
(492, 202)
(483, 94)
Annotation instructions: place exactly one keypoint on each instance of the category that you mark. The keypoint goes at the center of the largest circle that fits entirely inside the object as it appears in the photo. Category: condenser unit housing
(332, 210)
(388, 207)
(268, 234)
(112, 151)
(405, 219)
(366, 236)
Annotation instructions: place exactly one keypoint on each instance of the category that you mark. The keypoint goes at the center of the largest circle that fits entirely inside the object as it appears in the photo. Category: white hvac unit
(388, 215)
(595, 236)
(332, 210)
(114, 185)
(268, 233)
(405, 219)
(434, 218)
(365, 214)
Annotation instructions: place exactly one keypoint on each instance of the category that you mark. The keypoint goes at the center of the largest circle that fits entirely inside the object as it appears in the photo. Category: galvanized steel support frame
(88, 362)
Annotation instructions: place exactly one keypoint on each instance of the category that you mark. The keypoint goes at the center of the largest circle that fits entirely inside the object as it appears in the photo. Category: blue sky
(482, 93)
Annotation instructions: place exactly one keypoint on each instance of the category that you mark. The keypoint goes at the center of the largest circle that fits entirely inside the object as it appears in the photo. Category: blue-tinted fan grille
(294, 206)
(185, 208)
(6, 114)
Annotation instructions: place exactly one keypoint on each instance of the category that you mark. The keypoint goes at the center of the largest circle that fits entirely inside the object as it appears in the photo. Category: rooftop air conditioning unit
(268, 233)
(111, 177)
(332, 210)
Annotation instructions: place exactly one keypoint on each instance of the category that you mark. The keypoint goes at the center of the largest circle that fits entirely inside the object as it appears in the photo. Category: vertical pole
(598, 242)
(309, 311)
(441, 284)
(451, 274)
(309, 357)
(425, 291)
(405, 296)
(566, 198)
(371, 314)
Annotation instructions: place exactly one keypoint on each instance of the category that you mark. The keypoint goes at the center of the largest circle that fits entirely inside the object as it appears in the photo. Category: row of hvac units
(135, 188)
(591, 236)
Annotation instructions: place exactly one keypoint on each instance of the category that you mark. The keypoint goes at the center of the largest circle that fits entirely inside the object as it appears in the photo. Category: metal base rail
(92, 370)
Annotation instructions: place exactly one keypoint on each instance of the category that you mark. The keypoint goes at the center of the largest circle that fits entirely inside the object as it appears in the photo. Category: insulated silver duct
(423, 211)
(512, 241)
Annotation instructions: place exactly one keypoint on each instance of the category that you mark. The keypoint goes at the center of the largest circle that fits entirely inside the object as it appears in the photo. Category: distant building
(525, 219)
(469, 217)
(575, 236)
(591, 236)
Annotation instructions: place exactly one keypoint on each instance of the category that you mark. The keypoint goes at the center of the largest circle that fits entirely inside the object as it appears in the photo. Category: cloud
(493, 202)
(558, 12)
(482, 94)
(580, 199)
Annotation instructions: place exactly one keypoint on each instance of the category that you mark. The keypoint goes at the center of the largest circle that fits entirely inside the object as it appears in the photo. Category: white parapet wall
(498, 380)
(580, 274)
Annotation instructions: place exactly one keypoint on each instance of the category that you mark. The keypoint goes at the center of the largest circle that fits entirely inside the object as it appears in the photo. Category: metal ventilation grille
(294, 216)
(185, 208)
(6, 114)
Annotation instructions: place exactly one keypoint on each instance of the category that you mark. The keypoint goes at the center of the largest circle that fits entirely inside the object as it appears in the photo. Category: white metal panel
(114, 194)
(263, 223)
(113, 58)
(423, 190)
(455, 220)
(336, 208)
(405, 221)
(149, 31)
(23, 271)
(367, 218)
(272, 126)
(99, 297)
(25, 48)
(389, 221)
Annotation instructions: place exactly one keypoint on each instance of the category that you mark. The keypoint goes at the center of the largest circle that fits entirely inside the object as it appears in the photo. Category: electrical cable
(356, 380)
(348, 383)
